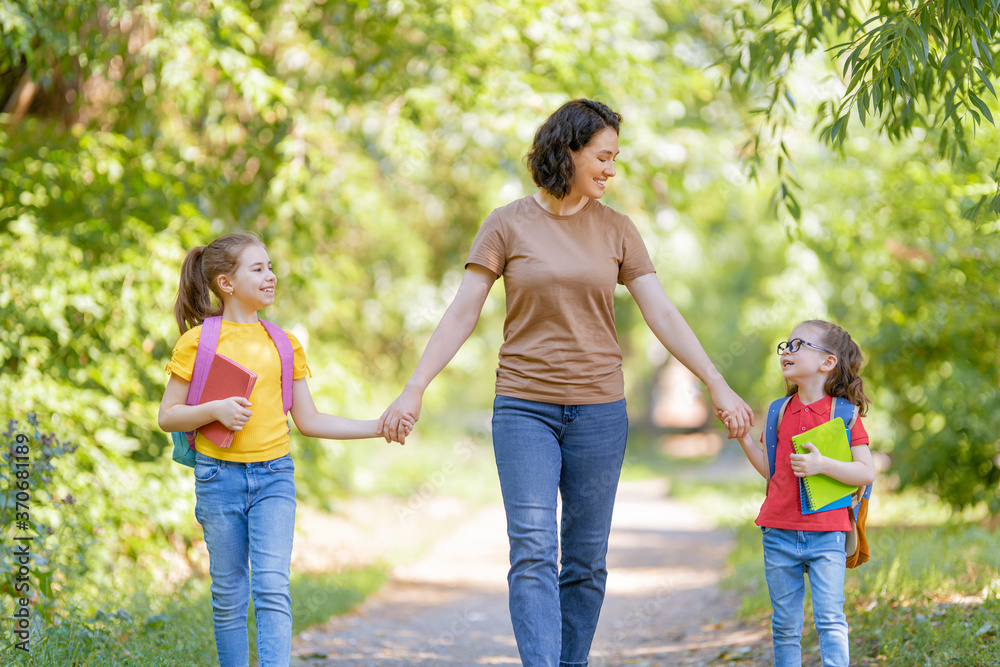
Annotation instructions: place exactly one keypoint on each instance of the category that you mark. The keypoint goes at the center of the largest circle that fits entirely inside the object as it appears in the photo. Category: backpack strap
(287, 356)
(849, 413)
(208, 341)
(846, 410)
(774, 414)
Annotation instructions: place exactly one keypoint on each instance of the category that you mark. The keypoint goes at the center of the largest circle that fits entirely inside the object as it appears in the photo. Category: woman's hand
(811, 463)
(400, 417)
(233, 413)
(731, 410)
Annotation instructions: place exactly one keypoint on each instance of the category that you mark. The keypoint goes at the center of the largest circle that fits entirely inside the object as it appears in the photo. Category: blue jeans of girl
(545, 451)
(788, 555)
(248, 513)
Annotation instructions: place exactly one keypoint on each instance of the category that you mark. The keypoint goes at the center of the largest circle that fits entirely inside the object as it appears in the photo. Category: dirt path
(449, 607)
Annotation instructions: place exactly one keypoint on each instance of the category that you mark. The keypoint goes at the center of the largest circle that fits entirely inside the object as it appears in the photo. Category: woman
(559, 420)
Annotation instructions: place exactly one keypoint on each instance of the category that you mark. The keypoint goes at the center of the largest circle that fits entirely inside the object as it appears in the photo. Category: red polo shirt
(782, 507)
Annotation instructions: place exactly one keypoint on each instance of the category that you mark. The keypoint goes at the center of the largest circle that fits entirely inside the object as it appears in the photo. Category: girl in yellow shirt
(245, 492)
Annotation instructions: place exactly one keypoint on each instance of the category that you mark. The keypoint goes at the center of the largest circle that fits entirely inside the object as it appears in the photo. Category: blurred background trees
(366, 141)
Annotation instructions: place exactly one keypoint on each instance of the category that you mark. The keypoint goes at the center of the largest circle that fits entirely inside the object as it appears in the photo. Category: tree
(905, 66)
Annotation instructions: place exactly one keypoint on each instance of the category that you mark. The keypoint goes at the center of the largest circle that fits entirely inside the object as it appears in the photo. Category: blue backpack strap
(287, 356)
(846, 410)
(208, 341)
(849, 413)
(774, 414)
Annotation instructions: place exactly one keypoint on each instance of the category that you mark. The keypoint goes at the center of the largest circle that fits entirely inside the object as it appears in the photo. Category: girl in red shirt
(818, 361)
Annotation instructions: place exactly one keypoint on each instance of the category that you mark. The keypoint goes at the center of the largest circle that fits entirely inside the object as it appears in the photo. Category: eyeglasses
(794, 344)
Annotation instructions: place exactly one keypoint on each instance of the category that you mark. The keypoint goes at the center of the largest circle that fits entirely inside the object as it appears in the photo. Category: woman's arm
(669, 326)
(315, 424)
(176, 416)
(858, 472)
(457, 324)
(755, 455)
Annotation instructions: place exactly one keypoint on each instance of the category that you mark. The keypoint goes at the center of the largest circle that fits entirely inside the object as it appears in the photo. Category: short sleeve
(635, 257)
(300, 368)
(182, 360)
(859, 436)
(489, 249)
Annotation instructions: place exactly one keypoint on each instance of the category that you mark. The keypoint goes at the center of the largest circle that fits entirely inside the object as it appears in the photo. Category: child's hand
(811, 463)
(406, 424)
(233, 413)
(729, 420)
(406, 406)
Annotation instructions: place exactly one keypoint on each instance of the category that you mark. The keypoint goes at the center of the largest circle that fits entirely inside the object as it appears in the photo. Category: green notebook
(830, 439)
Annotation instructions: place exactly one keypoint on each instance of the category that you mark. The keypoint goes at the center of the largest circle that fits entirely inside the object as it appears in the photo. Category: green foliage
(92, 519)
(914, 282)
(904, 66)
(35, 522)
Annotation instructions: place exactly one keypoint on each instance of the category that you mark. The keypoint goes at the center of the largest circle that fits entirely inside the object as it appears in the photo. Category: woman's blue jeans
(788, 555)
(543, 451)
(248, 513)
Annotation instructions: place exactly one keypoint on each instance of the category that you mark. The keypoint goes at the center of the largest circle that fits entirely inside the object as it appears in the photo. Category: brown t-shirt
(560, 344)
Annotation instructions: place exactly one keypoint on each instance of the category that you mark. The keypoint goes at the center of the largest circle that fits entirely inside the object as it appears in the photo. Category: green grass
(180, 632)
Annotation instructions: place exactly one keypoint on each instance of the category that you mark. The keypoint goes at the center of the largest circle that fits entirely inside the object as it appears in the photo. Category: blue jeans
(788, 555)
(248, 513)
(543, 451)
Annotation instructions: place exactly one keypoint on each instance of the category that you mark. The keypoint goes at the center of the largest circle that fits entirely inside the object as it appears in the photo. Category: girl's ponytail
(194, 296)
(199, 277)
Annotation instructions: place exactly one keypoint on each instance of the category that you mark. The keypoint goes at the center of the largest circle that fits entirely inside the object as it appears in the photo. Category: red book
(226, 379)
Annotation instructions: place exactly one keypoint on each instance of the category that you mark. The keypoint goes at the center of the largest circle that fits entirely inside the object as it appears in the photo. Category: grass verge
(179, 632)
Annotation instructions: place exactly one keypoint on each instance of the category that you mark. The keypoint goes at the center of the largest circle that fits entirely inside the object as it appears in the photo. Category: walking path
(449, 607)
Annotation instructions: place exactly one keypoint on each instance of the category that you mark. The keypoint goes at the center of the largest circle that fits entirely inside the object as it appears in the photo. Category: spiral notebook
(821, 493)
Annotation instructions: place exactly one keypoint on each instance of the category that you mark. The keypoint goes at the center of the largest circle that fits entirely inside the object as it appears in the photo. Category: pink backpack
(184, 452)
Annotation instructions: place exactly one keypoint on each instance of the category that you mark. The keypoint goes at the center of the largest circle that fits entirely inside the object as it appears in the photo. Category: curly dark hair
(570, 128)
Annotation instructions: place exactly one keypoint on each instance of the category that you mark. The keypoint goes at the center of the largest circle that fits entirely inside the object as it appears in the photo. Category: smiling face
(594, 164)
(253, 282)
(807, 362)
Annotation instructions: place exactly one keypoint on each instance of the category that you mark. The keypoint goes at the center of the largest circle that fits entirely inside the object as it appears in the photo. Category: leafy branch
(930, 66)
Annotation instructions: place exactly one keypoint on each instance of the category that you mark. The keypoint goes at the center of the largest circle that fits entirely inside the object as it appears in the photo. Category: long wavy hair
(199, 277)
(569, 128)
(845, 379)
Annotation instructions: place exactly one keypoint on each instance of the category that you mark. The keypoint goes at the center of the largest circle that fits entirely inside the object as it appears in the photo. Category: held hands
(233, 413)
(804, 465)
(399, 418)
(731, 411)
